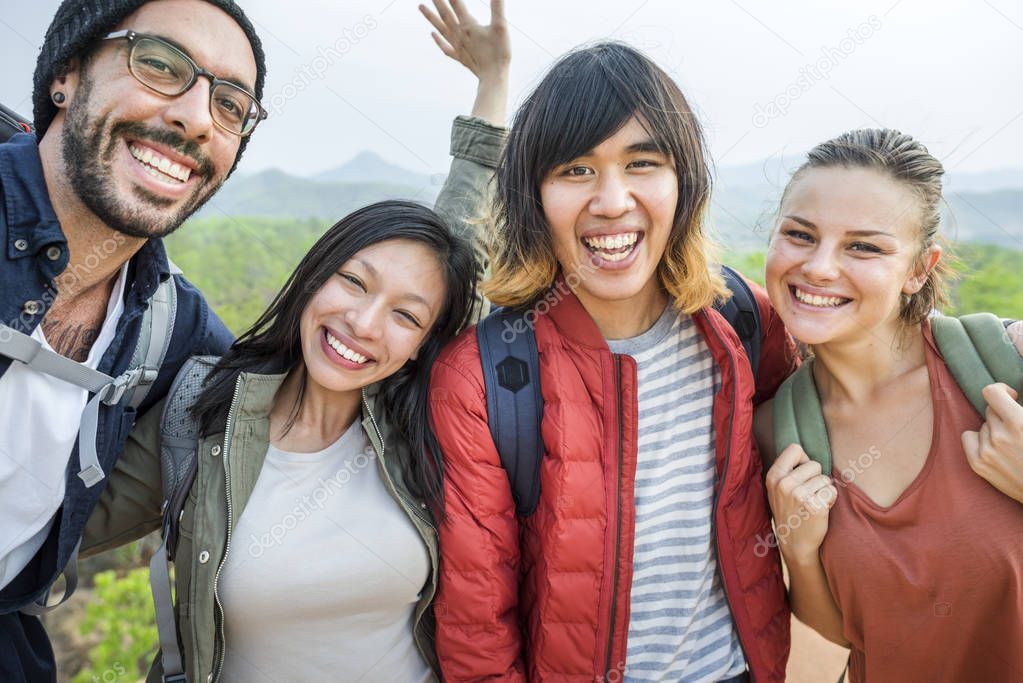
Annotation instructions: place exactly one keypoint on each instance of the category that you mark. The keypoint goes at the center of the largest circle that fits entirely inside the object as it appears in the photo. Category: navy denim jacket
(35, 252)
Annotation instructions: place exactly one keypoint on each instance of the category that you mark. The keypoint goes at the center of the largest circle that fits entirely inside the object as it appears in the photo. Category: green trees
(241, 264)
(990, 278)
(120, 620)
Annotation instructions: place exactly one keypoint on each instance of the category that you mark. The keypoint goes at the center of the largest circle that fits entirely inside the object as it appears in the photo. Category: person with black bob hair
(635, 562)
(307, 547)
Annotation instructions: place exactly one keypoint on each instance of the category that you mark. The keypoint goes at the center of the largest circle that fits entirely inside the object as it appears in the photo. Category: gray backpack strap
(799, 417)
(154, 338)
(179, 440)
(978, 352)
(70, 584)
(20, 347)
(166, 626)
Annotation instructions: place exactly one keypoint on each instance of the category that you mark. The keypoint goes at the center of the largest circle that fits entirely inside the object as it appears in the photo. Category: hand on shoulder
(801, 496)
(995, 451)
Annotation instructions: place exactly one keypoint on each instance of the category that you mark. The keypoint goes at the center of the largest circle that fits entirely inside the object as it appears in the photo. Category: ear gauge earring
(58, 97)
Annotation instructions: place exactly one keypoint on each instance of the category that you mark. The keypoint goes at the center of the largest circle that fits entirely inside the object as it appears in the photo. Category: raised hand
(483, 50)
(801, 498)
(995, 452)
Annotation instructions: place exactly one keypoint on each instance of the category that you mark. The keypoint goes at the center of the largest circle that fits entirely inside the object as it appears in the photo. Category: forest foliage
(240, 264)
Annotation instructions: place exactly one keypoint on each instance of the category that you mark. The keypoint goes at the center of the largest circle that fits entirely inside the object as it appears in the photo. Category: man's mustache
(162, 136)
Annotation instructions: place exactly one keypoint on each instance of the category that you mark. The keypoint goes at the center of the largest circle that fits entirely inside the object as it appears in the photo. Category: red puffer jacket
(547, 597)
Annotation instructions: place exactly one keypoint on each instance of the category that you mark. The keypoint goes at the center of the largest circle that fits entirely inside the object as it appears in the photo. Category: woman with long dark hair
(307, 547)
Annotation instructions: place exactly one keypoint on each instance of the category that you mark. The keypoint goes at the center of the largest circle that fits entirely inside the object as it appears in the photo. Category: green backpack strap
(976, 348)
(978, 352)
(799, 417)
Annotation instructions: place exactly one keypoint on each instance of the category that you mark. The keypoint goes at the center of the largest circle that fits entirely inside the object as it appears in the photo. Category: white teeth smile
(344, 351)
(815, 300)
(159, 166)
(612, 247)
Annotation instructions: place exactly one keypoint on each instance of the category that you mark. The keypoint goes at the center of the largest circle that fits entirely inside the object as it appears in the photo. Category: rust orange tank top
(931, 587)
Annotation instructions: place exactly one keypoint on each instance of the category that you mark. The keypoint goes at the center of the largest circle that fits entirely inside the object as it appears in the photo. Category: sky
(765, 77)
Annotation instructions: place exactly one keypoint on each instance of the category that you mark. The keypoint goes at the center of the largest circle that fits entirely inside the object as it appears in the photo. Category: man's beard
(87, 161)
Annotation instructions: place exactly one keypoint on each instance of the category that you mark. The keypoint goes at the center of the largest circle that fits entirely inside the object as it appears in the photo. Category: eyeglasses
(161, 67)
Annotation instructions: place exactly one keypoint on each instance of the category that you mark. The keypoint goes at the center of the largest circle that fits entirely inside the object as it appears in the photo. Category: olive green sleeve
(129, 507)
(466, 197)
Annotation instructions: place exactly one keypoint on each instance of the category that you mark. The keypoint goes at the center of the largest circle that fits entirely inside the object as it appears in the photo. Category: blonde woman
(909, 552)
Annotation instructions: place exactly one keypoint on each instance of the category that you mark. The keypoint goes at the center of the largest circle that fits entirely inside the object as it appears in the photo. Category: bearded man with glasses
(133, 135)
(142, 110)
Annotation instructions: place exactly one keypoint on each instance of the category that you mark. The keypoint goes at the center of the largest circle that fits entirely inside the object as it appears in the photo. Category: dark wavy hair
(273, 343)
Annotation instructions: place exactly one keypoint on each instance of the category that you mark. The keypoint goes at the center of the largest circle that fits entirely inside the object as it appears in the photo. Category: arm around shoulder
(129, 507)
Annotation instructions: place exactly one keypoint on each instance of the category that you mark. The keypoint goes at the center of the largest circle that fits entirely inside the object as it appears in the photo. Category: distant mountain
(774, 172)
(770, 174)
(276, 193)
(369, 167)
(742, 212)
(985, 181)
(990, 217)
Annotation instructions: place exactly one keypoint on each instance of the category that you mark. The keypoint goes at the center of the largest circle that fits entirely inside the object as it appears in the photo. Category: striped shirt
(680, 627)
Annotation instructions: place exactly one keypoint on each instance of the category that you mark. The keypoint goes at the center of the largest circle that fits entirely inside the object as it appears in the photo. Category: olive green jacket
(229, 462)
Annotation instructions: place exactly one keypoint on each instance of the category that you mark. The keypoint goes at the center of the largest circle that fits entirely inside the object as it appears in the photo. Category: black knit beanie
(79, 23)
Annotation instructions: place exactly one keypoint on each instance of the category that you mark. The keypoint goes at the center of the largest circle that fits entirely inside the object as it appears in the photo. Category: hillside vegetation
(240, 263)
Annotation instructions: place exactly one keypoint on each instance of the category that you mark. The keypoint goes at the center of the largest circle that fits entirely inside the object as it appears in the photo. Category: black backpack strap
(511, 375)
(743, 314)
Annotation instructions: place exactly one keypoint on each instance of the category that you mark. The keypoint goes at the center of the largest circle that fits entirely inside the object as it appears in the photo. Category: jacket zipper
(408, 504)
(721, 486)
(230, 516)
(618, 520)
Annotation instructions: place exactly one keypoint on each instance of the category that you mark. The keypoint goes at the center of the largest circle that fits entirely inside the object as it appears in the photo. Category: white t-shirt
(324, 573)
(39, 419)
